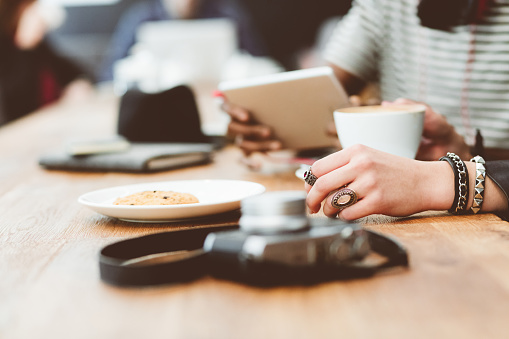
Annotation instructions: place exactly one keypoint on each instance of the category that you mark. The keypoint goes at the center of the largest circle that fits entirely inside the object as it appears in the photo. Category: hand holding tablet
(291, 107)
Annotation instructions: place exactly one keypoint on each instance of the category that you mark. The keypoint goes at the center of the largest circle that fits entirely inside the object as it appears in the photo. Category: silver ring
(344, 198)
(309, 177)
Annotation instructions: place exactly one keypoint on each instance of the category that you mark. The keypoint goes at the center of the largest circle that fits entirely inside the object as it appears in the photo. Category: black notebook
(139, 157)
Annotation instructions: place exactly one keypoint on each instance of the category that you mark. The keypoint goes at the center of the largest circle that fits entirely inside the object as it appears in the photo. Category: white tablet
(298, 105)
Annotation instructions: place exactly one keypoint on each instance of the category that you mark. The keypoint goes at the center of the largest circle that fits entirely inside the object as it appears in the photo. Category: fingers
(250, 146)
(253, 138)
(366, 202)
(327, 164)
(328, 208)
(400, 101)
(236, 112)
(250, 136)
(260, 132)
(362, 208)
(335, 171)
(404, 101)
(337, 159)
(355, 100)
(368, 172)
(326, 184)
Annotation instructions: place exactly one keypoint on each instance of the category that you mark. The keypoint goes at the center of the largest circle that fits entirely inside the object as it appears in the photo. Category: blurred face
(31, 27)
(183, 9)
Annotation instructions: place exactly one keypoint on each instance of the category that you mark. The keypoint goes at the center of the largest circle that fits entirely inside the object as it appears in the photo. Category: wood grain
(457, 285)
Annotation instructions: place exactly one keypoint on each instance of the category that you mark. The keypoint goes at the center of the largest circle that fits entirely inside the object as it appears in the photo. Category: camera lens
(274, 212)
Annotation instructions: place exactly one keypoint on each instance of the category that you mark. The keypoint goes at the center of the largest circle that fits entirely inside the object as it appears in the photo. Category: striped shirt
(463, 74)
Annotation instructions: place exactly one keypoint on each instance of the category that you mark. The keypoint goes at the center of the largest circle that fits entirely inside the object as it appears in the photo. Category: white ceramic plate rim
(83, 198)
(215, 199)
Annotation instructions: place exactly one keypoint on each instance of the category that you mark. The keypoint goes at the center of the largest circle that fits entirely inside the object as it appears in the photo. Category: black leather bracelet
(460, 183)
(456, 182)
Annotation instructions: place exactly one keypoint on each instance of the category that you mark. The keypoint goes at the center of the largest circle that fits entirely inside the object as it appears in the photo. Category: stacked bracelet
(460, 183)
(480, 174)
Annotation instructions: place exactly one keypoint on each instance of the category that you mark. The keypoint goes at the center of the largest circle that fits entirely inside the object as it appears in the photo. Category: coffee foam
(383, 109)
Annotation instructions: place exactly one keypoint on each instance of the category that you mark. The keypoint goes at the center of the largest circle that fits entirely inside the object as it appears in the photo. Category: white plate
(299, 173)
(215, 196)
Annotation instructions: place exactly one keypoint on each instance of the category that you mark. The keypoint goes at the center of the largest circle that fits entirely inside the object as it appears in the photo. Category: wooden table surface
(457, 285)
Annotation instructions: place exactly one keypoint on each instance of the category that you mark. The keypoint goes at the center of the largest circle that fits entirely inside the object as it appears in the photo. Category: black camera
(278, 243)
(274, 229)
(274, 244)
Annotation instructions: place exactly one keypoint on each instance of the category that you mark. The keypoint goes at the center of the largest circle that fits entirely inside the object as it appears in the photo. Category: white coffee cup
(395, 129)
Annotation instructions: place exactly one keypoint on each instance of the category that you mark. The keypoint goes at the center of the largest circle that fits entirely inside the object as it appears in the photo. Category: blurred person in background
(32, 74)
(124, 37)
(291, 28)
(451, 55)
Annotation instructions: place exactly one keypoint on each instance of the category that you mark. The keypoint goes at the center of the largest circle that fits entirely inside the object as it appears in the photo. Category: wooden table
(457, 286)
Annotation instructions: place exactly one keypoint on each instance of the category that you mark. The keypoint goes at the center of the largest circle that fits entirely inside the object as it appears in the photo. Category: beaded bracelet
(460, 183)
(480, 175)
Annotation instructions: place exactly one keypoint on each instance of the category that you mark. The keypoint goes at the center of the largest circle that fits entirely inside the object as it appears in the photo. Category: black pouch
(168, 116)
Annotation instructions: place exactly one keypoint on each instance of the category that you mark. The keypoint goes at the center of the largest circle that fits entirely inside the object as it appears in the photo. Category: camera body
(324, 243)
(274, 229)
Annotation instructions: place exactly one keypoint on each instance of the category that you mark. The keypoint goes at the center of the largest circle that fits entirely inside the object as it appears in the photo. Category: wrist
(437, 185)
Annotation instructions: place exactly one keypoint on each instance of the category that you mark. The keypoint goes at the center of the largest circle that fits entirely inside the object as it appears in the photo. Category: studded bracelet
(480, 175)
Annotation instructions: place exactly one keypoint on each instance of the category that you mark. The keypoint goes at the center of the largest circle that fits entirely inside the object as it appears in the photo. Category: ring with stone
(309, 177)
(344, 198)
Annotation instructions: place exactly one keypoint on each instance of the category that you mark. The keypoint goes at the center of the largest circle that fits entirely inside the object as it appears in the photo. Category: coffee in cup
(395, 129)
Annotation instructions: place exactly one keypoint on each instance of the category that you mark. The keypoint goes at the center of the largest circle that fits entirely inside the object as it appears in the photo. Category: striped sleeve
(354, 43)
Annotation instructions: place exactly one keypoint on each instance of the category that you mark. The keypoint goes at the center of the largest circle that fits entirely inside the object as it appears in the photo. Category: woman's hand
(384, 183)
(438, 136)
(249, 135)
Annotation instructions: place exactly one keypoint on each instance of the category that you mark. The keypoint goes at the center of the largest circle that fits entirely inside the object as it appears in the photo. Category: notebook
(139, 157)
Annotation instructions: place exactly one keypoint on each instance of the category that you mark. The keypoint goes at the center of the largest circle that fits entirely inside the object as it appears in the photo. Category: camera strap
(124, 263)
